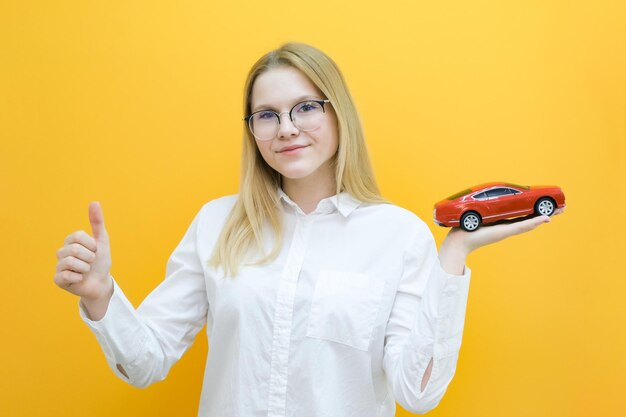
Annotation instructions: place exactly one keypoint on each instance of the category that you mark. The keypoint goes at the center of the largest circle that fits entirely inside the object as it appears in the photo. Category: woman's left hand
(459, 243)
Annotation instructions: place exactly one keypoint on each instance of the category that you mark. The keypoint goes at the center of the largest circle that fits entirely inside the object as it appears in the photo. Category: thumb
(96, 218)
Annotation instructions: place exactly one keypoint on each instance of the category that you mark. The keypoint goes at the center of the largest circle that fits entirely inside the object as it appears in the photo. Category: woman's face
(279, 89)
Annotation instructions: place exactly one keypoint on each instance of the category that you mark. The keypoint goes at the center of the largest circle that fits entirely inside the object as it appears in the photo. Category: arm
(424, 331)
(142, 345)
(459, 244)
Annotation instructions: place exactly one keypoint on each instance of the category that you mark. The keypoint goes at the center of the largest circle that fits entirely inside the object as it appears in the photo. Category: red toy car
(490, 202)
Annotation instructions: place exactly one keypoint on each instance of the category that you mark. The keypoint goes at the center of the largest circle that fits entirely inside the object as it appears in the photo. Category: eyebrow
(296, 101)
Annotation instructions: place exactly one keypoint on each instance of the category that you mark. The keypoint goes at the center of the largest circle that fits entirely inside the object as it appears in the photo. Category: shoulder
(214, 213)
(395, 216)
(219, 205)
(209, 221)
(393, 223)
(417, 237)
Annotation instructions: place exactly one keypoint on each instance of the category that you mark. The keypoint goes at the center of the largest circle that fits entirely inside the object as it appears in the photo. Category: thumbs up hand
(84, 261)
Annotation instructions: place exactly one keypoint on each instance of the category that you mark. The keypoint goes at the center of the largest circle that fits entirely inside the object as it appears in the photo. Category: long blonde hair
(258, 201)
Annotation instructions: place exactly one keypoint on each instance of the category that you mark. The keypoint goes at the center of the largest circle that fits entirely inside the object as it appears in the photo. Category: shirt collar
(344, 202)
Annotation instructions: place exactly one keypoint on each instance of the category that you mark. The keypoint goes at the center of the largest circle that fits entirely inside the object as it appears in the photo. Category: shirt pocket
(344, 307)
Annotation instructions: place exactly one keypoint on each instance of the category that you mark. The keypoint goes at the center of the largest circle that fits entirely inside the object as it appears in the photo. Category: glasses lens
(308, 115)
(263, 125)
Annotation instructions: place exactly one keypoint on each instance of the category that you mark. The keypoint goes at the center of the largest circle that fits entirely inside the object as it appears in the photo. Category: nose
(286, 128)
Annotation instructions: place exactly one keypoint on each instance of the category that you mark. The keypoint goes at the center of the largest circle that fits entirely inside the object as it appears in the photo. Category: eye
(308, 106)
(264, 115)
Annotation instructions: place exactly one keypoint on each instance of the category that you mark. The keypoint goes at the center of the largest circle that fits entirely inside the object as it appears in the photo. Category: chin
(295, 175)
(294, 172)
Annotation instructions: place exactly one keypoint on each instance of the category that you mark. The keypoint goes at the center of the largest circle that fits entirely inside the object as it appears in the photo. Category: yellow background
(137, 104)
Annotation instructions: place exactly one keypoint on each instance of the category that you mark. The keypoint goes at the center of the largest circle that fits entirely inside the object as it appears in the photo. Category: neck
(308, 192)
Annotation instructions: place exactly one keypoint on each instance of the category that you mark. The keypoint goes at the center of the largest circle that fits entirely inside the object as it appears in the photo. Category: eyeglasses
(306, 116)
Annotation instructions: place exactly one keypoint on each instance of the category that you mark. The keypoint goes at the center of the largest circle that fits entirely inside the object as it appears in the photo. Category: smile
(294, 151)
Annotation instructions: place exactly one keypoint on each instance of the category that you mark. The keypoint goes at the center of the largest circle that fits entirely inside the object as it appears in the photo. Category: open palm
(486, 235)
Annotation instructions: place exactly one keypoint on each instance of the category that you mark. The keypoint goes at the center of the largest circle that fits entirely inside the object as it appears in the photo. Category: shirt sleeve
(426, 321)
(146, 342)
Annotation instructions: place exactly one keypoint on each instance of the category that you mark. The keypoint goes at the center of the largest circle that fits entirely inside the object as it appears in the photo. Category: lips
(290, 148)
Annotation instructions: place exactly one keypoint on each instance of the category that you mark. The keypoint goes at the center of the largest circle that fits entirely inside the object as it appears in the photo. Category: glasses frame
(248, 118)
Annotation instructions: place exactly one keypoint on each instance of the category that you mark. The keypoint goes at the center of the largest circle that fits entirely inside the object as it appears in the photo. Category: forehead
(280, 86)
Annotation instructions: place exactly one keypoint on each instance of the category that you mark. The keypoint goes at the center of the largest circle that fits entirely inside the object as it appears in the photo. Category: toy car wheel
(470, 221)
(544, 206)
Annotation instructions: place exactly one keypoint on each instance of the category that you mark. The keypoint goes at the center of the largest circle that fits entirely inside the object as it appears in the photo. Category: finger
(72, 264)
(530, 224)
(502, 231)
(66, 278)
(78, 251)
(96, 218)
(83, 238)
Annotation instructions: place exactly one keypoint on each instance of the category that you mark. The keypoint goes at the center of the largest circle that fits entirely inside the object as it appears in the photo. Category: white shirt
(343, 323)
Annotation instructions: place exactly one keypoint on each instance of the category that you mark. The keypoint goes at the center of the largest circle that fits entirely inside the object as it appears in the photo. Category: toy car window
(496, 192)
(481, 196)
(512, 191)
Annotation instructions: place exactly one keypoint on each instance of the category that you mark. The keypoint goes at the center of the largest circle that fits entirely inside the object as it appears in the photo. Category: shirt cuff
(120, 332)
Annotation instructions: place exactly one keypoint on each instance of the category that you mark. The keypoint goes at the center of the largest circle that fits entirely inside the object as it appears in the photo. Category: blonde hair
(258, 200)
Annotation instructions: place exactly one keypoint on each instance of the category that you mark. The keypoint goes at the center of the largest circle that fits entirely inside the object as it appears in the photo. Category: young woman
(320, 297)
